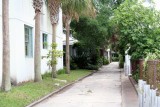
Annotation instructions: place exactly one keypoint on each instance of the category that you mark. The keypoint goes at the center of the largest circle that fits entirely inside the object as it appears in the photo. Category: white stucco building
(22, 33)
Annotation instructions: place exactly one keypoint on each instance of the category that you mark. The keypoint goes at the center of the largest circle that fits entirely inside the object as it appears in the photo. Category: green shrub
(46, 74)
(105, 61)
(73, 65)
(81, 61)
(100, 62)
(61, 71)
(115, 59)
(121, 62)
(92, 67)
(135, 75)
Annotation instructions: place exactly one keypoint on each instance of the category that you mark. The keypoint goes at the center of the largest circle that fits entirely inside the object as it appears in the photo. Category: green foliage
(74, 8)
(73, 65)
(121, 61)
(81, 60)
(100, 61)
(151, 56)
(61, 71)
(89, 32)
(135, 75)
(115, 59)
(138, 26)
(46, 75)
(106, 62)
(23, 95)
(111, 3)
(53, 53)
(92, 35)
(86, 56)
(92, 67)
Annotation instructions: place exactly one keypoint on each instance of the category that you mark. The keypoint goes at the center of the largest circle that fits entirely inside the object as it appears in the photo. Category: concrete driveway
(102, 89)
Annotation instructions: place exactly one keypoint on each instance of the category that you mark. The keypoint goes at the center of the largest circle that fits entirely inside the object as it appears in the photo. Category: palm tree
(74, 9)
(6, 83)
(37, 5)
(54, 6)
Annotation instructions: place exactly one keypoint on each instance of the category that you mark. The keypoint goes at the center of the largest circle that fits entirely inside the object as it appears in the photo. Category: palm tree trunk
(67, 25)
(54, 26)
(37, 51)
(6, 83)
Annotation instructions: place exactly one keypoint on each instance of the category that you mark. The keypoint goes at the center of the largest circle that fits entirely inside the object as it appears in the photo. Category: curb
(134, 83)
(59, 90)
(121, 73)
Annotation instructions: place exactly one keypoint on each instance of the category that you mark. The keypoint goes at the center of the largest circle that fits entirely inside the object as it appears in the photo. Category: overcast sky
(157, 4)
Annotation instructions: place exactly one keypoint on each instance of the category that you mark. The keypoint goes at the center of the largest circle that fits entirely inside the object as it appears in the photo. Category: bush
(61, 71)
(86, 57)
(115, 59)
(105, 61)
(121, 62)
(135, 75)
(92, 67)
(46, 75)
(73, 66)
(81, 61)
(100, 62)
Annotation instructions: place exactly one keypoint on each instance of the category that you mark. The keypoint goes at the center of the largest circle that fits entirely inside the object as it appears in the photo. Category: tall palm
(54, 6)
(6, 83)
(37, 5)
(74, 9)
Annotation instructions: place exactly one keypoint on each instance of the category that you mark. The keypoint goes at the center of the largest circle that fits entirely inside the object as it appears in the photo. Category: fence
(147, 96)
(149, 84)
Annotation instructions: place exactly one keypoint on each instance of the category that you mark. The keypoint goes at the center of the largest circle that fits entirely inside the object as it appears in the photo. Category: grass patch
(27, 93)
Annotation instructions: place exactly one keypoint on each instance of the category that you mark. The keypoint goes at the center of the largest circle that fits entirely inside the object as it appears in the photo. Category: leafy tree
(89, 32)
(57, 54)
(111, 3)
(72, 10)
(105, 13)
(92, 36)
(6, 83)
(37, 4)
(137, 27)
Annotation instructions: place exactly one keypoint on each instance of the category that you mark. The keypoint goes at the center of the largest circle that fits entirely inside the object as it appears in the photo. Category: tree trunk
(54, 26)
(6, 83)
(37, 49)
(67, 25)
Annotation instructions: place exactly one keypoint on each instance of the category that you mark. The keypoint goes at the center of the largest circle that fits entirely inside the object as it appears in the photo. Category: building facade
(22, 35)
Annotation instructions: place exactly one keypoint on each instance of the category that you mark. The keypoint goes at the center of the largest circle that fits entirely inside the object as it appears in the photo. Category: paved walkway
(102, 89)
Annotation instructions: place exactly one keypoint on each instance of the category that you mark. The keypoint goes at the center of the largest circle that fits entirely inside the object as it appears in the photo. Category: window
(28, 41)
(45, 41)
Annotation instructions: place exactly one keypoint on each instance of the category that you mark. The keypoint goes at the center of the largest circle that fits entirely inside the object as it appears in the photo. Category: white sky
(157, 4)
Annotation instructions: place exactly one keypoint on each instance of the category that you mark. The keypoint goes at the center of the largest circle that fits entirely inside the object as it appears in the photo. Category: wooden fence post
(141, 69)
(154, 79)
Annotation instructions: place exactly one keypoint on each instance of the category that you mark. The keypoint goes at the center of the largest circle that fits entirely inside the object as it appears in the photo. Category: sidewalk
(106, 88)
(129, 95)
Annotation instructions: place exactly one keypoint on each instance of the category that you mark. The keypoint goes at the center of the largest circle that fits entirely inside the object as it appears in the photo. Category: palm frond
(75, 8)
